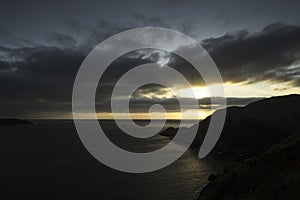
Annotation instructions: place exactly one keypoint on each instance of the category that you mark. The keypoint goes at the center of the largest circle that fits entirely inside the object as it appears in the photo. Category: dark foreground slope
(275, 174)
(255, 127)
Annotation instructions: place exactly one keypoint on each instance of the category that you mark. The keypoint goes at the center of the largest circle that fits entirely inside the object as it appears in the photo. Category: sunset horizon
(150, 100)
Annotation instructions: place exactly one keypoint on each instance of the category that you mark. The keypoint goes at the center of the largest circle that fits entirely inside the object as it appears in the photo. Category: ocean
(47, 160)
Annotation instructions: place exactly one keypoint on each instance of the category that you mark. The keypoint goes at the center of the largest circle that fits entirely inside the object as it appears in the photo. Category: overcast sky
(255, 44)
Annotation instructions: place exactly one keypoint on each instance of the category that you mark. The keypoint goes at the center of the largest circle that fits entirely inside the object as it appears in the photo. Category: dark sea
(46, 160)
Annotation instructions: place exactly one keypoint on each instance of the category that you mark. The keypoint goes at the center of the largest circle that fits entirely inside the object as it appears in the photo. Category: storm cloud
(270, 54)
(36, 79)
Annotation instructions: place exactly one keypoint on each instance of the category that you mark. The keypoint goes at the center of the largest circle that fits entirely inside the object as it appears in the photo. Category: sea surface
(46, 160)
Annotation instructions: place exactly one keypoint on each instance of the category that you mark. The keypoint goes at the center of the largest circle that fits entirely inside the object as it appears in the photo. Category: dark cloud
(44, 42)
(207, 18)
(41, 81)
(37, 80)
(251, 57)
(152, 91)
(104, 29)
(141, 20)
(59, 40)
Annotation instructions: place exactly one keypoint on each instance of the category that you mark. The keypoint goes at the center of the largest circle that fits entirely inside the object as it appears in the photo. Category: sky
(255, 45)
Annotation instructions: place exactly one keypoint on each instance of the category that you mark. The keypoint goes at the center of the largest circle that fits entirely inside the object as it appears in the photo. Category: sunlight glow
(259, 89)
(199, 92)
(239, 90)
(189, 115)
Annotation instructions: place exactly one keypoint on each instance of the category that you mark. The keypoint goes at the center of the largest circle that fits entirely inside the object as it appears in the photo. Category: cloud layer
(36, 78)
(271, 54)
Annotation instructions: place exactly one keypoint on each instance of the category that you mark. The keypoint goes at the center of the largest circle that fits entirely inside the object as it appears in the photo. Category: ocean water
(47, 160)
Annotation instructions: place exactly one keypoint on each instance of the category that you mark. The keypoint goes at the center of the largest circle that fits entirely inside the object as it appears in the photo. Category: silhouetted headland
(266, 134)
(255, 127)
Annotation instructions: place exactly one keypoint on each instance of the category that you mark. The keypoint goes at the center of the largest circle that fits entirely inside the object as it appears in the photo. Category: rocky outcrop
(275, 174)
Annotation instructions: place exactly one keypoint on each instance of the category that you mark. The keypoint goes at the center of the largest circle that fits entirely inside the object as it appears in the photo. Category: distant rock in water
(13, 121)
(254, 128)
(272, 175)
